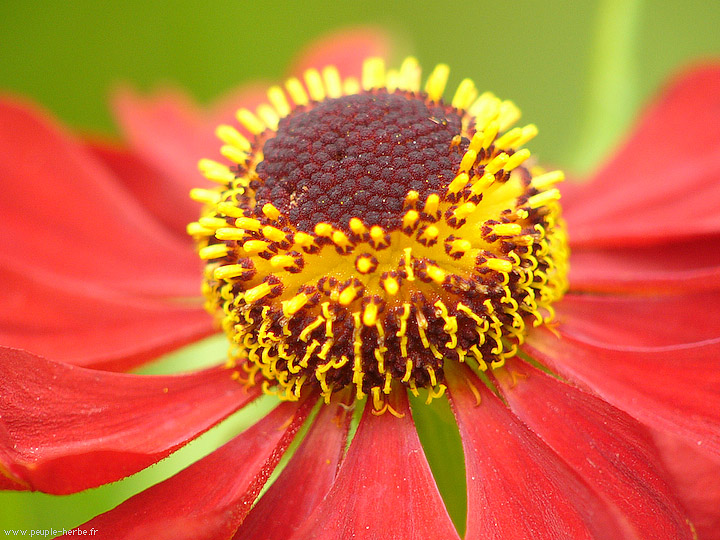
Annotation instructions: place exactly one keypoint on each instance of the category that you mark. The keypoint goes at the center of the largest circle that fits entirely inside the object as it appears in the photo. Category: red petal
(690, 265)
(168, 131)
(607, 448)
(384, 488)
(72, 322)
(664, 182)
(209, 499)
(313, 466)
(518, 488)
(7, 483)
(64, 429)
(696, 477)
(633, 320)
(63, 212)
(162, 195)
(346, 50)
(669, 388)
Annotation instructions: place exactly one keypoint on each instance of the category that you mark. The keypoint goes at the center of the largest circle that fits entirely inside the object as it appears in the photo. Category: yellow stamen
(255, 246)
(370, 314)
(465, 94)
(230, 135)
(333, 85)
(273, 233)
(324, 229)
(251, 122)
(497, 163)
(278, 100)
(410, 219)
(517, 159)
(230, 233)
(282, 261)
(212, 222)
(249, 224)
(215, 251)
(347, 296)
(296, 91)
(205, 196)
(435, 85)
(217, 172)
(270, 211)
(233, 154)
(410, 75)
(529, 132)
(304, 240)
(268, 116)
(499, 265)
(547, 180)
(507, 229)
(314, 84)
(460, 181)
(258, 292)
(541, 199)
(373, 73)
(229, 271)
(357, 226)
(460, 246)
(437, 274)
(431, 204)
(391, 286)
(468, 160)
(464, 210)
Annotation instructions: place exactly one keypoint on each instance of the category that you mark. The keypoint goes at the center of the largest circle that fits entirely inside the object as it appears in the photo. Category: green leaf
(441, 442)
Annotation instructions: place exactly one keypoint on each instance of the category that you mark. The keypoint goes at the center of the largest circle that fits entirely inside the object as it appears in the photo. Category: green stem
(613, 90)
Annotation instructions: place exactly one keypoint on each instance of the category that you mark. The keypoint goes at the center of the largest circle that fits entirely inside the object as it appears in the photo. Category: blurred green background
(578, 69)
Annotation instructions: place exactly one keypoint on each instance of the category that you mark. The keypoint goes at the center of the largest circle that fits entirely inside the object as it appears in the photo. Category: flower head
(366, 240)
(370, 232)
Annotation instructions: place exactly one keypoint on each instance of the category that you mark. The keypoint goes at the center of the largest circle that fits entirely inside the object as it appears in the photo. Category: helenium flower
(364, 238)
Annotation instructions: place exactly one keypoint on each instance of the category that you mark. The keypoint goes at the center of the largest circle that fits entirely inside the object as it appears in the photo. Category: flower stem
(612, 95)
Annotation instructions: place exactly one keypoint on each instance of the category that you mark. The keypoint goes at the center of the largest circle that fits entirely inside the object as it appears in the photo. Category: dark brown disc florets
(358, 155)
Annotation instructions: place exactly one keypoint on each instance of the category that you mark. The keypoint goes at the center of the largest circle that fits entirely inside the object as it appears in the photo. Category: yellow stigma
(366, 232)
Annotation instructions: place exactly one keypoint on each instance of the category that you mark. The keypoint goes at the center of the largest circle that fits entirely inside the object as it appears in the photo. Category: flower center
(357, 155)
(367, 235)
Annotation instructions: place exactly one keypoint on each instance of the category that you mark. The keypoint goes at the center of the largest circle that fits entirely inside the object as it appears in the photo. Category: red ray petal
(669, 388)
(71, 322)
(689, 265)
(313, 466)
(384, 488)
(634, 321)
(62, 211)
(518, 488)
(664, 182)
(161, 194)
(696, 478)
(64, 429)
(606, 447)
(7, 483)
(170, 133)
(209, 499)
(346, 50)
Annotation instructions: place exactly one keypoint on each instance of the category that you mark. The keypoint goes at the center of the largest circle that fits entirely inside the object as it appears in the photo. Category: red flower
(100, 275)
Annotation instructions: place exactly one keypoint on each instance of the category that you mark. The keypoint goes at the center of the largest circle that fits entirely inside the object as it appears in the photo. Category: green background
(578, 69)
